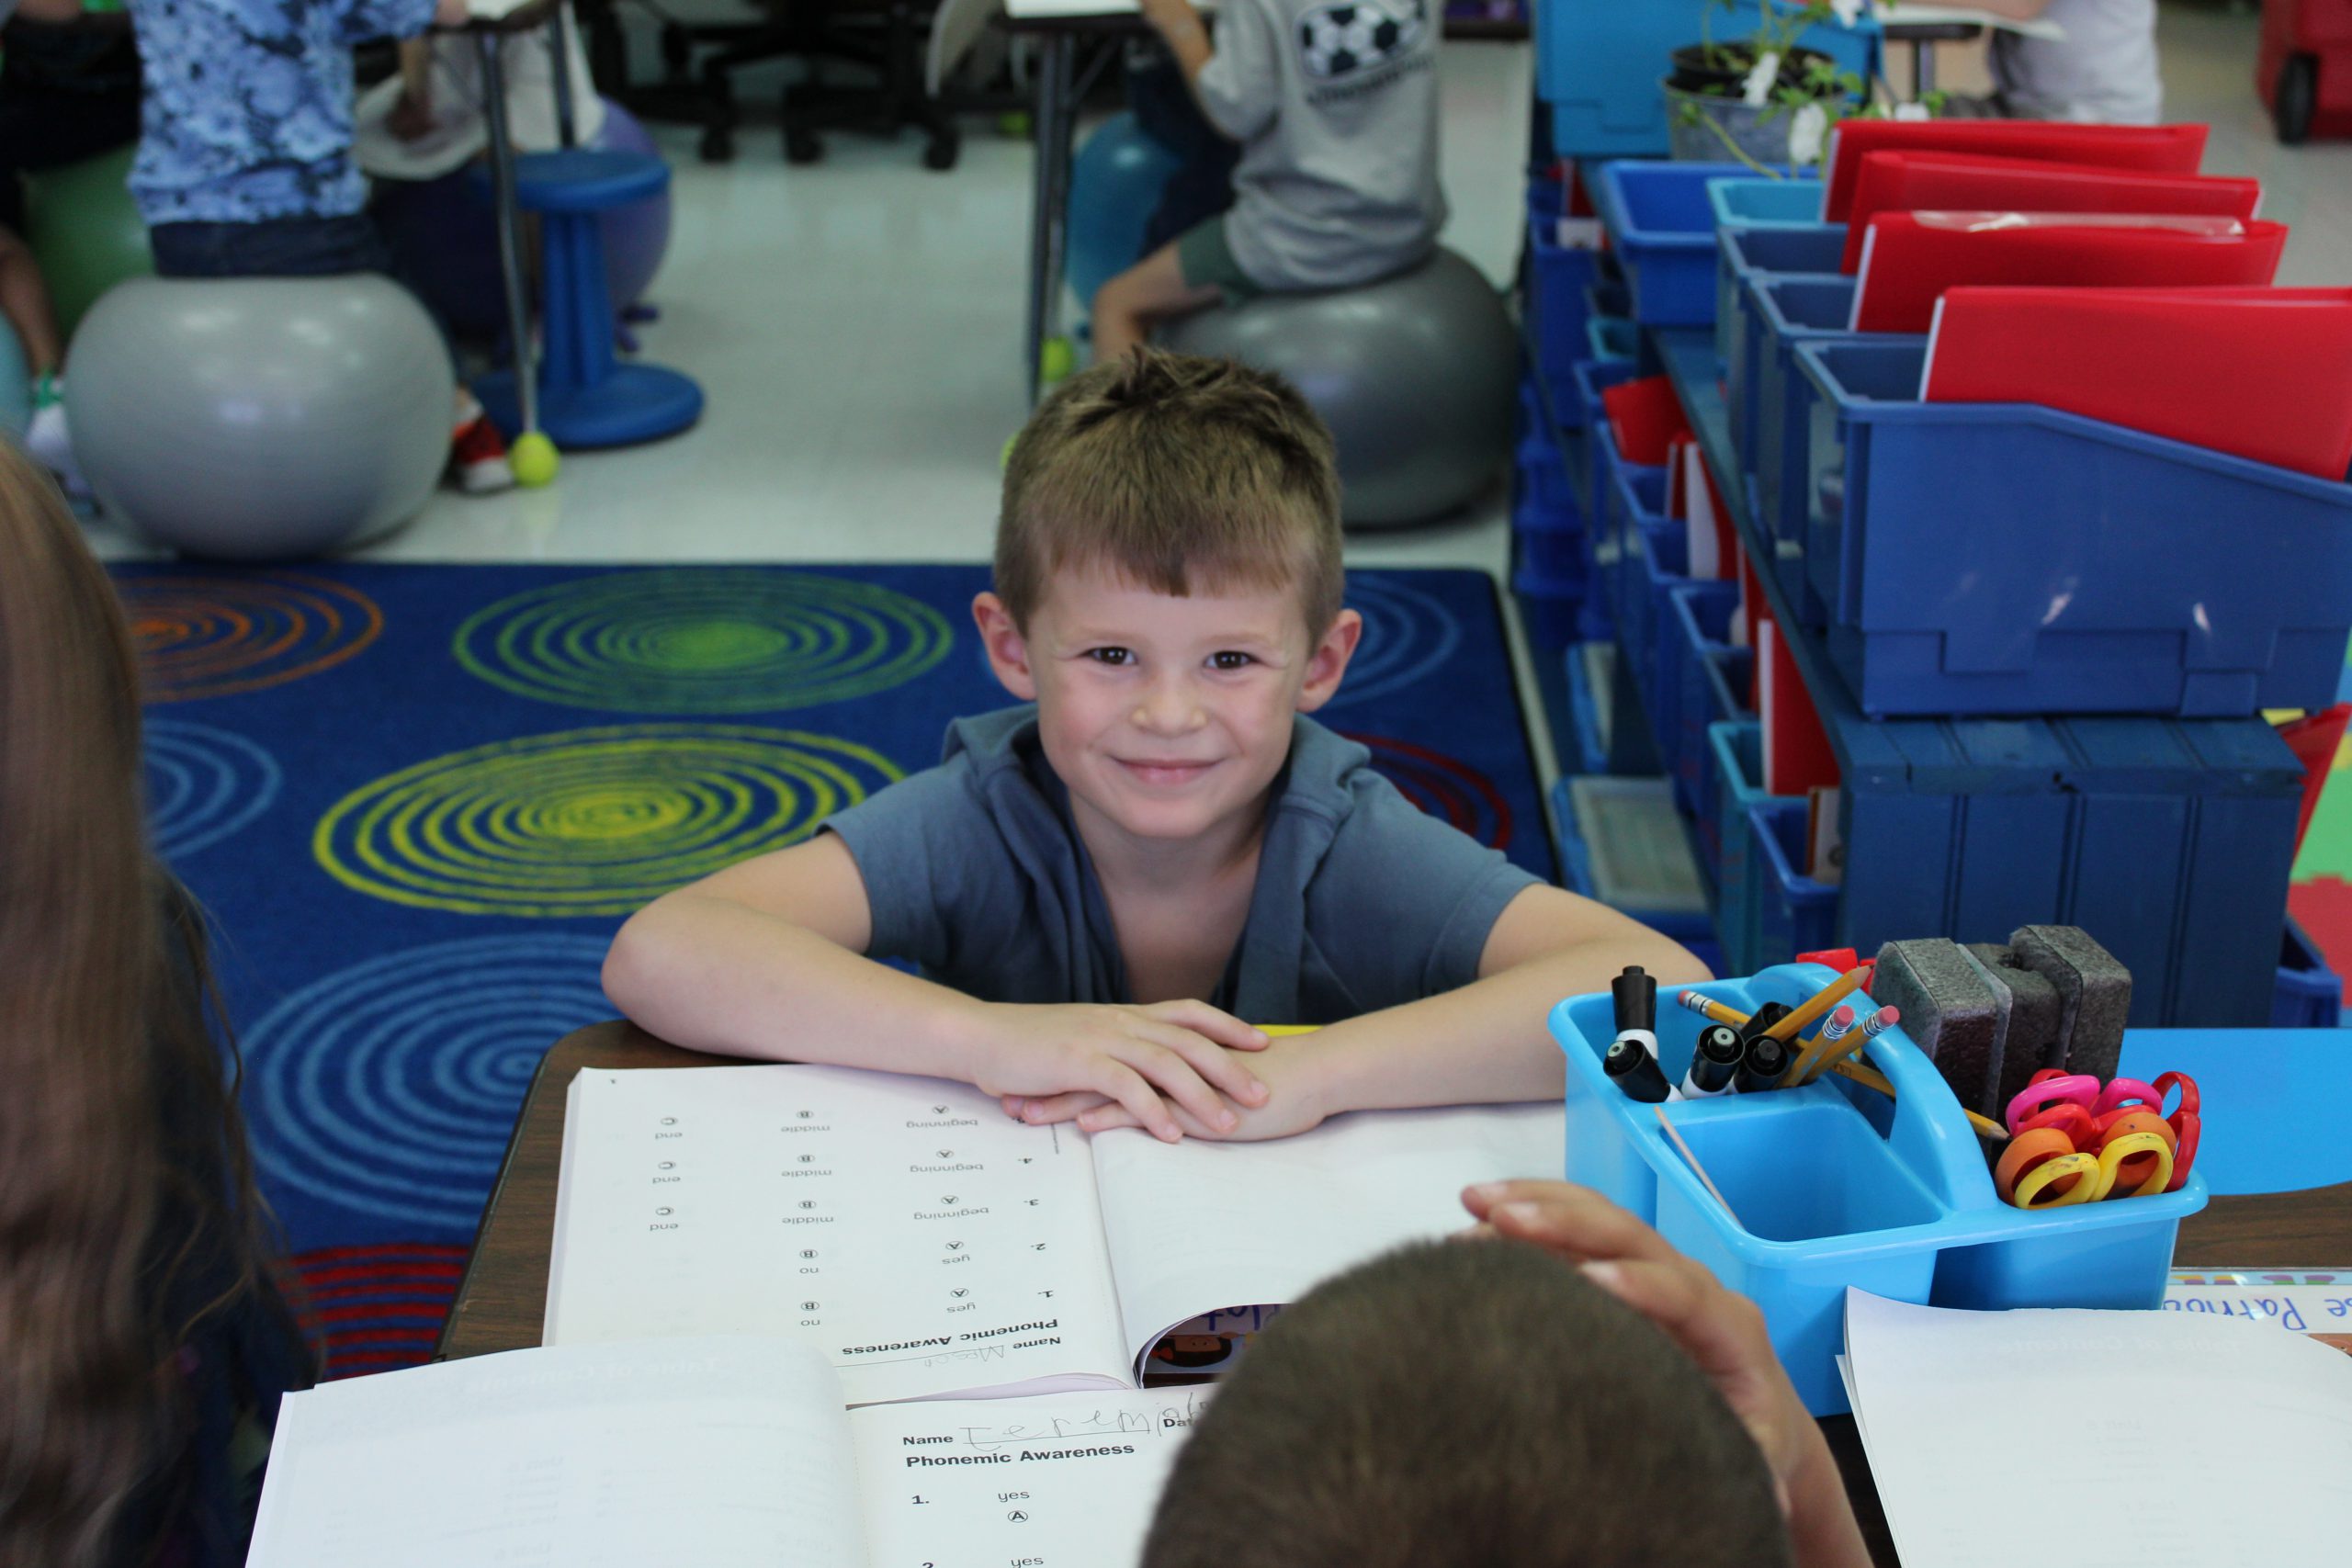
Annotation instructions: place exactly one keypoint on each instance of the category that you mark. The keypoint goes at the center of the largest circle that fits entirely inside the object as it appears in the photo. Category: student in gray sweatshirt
(1335, 104)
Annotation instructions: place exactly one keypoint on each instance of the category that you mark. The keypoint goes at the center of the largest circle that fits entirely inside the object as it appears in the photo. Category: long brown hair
(99, 1019)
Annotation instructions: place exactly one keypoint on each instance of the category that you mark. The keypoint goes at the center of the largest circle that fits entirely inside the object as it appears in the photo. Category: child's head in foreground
(1168, 585)
(1467, 1404)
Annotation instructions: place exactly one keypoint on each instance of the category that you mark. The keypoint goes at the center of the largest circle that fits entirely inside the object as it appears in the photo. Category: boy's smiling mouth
(1166, 770)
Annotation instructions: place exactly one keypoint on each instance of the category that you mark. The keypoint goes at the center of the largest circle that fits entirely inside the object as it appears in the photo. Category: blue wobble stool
(586, 396)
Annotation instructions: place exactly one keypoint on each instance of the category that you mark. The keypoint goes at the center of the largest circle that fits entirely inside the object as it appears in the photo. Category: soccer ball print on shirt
(1336, 40)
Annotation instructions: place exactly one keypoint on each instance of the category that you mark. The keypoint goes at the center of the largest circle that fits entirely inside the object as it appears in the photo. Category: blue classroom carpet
(418, 801)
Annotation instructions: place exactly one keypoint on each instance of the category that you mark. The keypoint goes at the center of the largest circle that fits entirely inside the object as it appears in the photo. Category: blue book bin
(1835, 1185)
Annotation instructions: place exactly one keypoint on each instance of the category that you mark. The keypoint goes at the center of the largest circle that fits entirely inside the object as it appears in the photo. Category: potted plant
(1764, 99)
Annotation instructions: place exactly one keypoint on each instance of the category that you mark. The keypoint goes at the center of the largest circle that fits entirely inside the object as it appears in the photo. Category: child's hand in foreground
(1169, 1067)
(1290, 1101)
(1724, 1333)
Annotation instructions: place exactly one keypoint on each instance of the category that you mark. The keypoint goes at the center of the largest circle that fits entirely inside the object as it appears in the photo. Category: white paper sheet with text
(905, 1226)
(2105, 1439)
(603, 1456)
(1065, 1481)
(1199, 1225)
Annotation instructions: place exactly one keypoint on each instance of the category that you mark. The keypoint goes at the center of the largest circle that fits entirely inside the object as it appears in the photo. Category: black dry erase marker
(1714, 1061)
(1636, 1071)
(1762, 1067)
(1760, 1021)
(1636, 995)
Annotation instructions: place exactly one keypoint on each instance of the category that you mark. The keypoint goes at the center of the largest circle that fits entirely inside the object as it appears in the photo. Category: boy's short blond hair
(1171, 471)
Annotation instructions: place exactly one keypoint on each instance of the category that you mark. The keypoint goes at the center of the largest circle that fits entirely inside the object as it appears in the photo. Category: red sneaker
(477, 457)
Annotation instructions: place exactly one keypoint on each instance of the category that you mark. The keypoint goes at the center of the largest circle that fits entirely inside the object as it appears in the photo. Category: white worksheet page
(1069, 1480)
(925, 1242)
(2231, 1441)
(725, 1453)
(1198, 1225)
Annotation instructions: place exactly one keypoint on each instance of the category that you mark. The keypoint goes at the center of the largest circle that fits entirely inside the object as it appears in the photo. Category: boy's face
(1167, 717)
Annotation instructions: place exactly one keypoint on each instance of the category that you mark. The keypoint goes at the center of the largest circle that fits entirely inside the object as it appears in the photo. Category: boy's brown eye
(1231, 660)
(1110, 656)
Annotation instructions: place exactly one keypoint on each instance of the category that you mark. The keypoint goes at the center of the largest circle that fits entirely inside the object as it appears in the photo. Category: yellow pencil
(1711, 1011)
(1870, 1078)
(1828, 997)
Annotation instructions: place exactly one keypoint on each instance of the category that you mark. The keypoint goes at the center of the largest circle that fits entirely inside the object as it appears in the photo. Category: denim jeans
(277, 247)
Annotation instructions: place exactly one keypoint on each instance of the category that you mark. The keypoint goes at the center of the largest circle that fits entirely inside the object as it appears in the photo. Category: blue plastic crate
(1638, 832)
(1546, 499)
(1582, 743)
(1559, 280)
(1546, 552)
(1613, 337)
(1549, 607)
(1737, 753)
(1790, 912)
(1752, 201)
(2008, 558)
(1637, 512)
(2310, 995)
(1664, 232)
(1598, 64)
(1811, 250)
(1696, 690)
(1833, 1186)
(1666, 572)
(2170, 840)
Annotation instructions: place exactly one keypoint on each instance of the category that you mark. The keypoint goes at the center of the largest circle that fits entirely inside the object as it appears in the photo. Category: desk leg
(1056, 82)
(510, 255)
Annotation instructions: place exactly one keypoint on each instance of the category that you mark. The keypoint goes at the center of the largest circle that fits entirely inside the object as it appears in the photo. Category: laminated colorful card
(1968, 182)
(2261, 373)
(2151, 149)
(1910, 258)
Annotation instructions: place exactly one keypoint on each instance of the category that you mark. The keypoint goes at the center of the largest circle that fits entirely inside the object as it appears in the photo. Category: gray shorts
(1205, 259)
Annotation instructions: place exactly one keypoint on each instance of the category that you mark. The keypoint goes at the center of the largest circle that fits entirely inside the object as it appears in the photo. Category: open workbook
(721, 1452)
(930, 1246)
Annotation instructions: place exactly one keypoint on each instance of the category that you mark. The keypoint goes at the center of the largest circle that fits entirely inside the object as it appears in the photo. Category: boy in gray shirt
(1107, 890)
(1334, 103)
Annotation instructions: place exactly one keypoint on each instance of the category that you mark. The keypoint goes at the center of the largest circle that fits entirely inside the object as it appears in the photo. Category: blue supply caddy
(1832, 1185)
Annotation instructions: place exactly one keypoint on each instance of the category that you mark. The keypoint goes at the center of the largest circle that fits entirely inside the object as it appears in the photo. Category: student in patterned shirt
(245, 165)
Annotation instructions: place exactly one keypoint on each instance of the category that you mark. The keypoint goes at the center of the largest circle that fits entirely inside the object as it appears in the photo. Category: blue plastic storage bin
(1833, 1185)
(1696, 679)
(1790, 913)
(1752, 201)
(1811, 250)
(1582, 743)
(1559, 281)
(1691, 925)
(2008, 558)
(1550, 608)
(1636, 522)
(1598, 64)
(1664, 232)
(2310, 995)
(2170, 838)
(1737, 753)
(1613, 337)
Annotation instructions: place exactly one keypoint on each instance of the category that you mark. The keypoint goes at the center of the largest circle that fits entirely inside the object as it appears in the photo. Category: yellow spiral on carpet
(588, 821)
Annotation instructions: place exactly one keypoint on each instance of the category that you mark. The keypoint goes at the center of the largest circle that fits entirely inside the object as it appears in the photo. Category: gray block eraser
(2032, 1042)
(2093, 994)
(1950, 1010)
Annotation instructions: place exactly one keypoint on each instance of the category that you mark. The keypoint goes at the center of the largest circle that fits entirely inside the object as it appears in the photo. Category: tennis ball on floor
(532, 459)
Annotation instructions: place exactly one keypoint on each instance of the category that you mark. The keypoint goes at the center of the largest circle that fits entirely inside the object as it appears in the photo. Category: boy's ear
(1328, 661)
(1008, 649)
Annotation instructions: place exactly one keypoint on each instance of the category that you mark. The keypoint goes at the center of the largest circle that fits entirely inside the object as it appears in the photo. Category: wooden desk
(501, 1301)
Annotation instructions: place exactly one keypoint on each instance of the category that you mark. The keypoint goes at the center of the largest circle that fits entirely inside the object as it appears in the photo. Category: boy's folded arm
(766, 960)
(1490, 1041)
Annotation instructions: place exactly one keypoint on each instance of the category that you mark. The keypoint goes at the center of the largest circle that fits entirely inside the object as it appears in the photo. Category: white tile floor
(856, 325)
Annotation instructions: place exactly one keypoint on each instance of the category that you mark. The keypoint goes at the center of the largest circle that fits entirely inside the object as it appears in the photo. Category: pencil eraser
(2032, 1044)
(2093, 994)
(1949, 1009)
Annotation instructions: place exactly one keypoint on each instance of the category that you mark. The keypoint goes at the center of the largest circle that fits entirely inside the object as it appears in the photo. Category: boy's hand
(1724, 1333)
(1044, 1056)
(1291, 1102)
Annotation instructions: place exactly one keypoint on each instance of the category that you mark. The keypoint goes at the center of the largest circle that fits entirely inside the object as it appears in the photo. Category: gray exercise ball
(1416, 375)
(261, 418)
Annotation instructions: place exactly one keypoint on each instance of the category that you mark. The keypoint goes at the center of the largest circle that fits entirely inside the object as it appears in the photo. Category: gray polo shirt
(1336, 108)
(975, 871)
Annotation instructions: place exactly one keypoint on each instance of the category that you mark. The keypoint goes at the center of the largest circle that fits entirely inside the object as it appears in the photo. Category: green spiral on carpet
(588, 821)
(704, 640)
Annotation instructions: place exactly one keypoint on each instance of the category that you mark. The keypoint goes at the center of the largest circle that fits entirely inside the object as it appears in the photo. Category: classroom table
(1073, 51)
(500, 1302)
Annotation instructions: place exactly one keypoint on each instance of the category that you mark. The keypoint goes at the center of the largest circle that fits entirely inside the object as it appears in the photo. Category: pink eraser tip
(1844, 1017)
